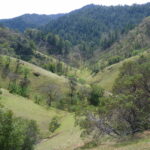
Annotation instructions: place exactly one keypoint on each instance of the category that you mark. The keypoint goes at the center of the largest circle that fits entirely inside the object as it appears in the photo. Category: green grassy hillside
(37, 83)
(107, 77)
(68, 135)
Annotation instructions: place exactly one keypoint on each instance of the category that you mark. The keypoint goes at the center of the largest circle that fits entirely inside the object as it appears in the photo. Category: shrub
(54, 124)
(114, 59)
(16, 133)
(37, 99)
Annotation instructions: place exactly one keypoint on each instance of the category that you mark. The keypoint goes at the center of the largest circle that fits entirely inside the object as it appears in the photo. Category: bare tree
(52, 91)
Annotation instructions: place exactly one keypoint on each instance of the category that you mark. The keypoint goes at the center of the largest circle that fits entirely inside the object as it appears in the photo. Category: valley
(76, 81)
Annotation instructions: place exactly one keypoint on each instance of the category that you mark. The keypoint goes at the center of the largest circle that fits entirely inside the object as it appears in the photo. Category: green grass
(26, 108)
(68, 137)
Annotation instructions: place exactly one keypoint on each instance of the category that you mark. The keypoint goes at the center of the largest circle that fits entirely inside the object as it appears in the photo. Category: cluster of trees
(15, 44)
(53, 43)
(21, 88)
(18, 78)
(17, 133)
(51, 64)
(126, 112)
(114, 59)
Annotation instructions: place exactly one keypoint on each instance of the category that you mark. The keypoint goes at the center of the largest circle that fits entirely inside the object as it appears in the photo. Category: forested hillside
(131, 44)
(15, 44)
(98, 25)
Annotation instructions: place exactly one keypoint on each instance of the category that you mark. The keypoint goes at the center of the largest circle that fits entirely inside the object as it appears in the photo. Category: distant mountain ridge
(28, 21)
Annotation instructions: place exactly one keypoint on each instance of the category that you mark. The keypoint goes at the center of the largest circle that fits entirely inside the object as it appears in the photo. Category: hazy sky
(12, 8)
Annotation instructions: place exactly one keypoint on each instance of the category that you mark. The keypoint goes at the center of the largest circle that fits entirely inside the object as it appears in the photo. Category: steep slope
(131, 44)
(28, 21)
(135, 42)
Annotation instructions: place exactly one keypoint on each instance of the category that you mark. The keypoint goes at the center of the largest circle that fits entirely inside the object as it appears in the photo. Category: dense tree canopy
(98, 24)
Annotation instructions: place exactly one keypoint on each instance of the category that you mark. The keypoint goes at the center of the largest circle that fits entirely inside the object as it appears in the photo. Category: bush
(37, 99)
(114, 59)
(16, 133)
(96, 93)
(54, 124)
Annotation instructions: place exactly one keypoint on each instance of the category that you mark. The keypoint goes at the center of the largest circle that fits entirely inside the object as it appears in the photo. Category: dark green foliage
(24, 49)
(51, 67)
(59, 68)
(93, 23)
(16, 133)
(72, 84)
(107, 39)
(24, 85)
(134, 85)
(30, 137)
(96, 93)
(53, 43)
(19, 86)
(15, 44)
(114, 59)
(54, 124)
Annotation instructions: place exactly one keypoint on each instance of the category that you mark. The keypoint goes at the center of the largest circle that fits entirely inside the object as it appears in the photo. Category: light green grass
(26, 108)
(68, 137)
